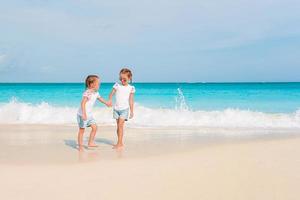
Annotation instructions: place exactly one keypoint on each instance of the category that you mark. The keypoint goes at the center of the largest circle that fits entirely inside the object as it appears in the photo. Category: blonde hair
(90, 79)
(127, 72)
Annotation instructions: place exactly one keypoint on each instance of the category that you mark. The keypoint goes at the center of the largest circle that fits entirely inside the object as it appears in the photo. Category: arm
(107, 103)
(113, 91)
(131, 104)
(83, 102)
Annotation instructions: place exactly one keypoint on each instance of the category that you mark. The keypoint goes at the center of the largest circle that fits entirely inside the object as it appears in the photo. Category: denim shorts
(121, 114)
(85, 123)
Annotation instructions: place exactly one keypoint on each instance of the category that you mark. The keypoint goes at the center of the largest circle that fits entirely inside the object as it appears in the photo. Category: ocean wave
(16, 112)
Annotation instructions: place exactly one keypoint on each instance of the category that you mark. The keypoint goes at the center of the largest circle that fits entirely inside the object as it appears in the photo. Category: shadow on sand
(104, 141)
(73, 143)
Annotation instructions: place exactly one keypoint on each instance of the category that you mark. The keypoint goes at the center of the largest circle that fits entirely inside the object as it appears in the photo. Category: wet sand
(42, 162)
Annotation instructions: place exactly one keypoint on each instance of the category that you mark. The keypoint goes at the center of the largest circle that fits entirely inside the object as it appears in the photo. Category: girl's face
(124, 79)
(95, 85)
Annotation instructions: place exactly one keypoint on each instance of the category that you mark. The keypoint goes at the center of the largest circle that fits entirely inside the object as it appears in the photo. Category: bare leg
(80, 139)
(120, 131)
(92, 136)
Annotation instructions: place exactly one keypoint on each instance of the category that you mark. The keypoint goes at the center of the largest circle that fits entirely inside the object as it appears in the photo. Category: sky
(161, 41)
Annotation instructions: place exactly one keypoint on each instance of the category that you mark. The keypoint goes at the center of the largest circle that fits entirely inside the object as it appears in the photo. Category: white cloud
(56, 34)
(211, 24)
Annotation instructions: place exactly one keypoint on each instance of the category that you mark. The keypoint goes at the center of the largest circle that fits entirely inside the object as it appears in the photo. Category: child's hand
(131, 115)
(84, 117)
(109, 104)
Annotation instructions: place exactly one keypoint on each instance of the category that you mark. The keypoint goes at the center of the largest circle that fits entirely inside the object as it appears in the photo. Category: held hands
(108, 104)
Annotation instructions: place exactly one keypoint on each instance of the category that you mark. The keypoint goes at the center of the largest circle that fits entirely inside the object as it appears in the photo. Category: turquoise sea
(161, 104)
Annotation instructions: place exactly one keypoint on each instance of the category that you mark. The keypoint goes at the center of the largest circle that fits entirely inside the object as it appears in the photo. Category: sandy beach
(41, 162)
(193, 100)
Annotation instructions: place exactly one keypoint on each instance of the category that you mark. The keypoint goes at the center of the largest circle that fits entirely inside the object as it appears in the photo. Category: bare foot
(92, 145)
(118, 146)
(80, 148)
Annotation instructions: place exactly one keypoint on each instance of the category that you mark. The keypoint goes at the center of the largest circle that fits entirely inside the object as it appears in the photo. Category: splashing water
(16, 112)
(180, 101)
(274, 106)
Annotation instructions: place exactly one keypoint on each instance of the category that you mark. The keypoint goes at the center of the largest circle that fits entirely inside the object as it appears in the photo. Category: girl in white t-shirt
(123, 106)
(84, 115)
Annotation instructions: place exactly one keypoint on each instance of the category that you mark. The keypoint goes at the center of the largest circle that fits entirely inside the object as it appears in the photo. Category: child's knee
(120, 125)
(94, 127)
(121, 122)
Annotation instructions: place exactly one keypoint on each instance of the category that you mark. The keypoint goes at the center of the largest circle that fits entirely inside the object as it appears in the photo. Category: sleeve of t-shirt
(98, 95)
(86, 94)
(132, 89)
(116, 85)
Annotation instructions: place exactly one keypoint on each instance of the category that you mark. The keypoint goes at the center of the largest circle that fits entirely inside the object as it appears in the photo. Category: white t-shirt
(92, 98)
(122, 95)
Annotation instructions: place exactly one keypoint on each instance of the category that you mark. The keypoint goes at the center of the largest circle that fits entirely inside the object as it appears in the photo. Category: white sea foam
(16, 112)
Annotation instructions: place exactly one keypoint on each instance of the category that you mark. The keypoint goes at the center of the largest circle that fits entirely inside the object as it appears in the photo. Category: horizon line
(184, 82)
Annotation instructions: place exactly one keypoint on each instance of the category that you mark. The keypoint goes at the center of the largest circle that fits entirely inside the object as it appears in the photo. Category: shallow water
(227, 105)
(45, 144)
